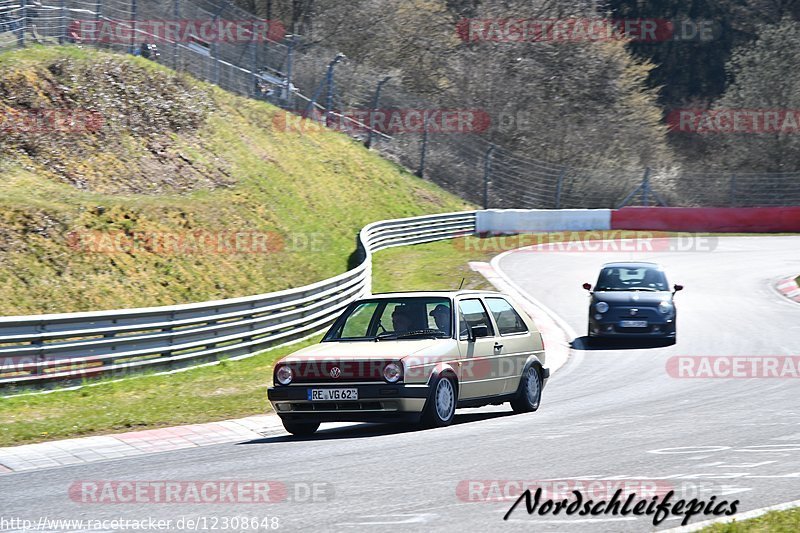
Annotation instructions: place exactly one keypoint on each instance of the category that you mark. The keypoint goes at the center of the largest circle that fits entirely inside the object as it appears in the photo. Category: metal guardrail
(43, 351)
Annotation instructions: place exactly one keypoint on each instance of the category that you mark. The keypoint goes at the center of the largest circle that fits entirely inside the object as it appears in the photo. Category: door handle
(498, 346)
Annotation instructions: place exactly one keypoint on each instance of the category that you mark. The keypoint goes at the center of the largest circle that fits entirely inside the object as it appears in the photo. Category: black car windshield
(402, 318)
(622, 278)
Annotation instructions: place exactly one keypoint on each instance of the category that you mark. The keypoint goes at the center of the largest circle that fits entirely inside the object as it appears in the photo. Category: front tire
(300, 429)
(441, 407)
(529, 395)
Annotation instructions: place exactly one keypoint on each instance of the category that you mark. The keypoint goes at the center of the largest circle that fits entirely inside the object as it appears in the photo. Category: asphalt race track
(612, 413)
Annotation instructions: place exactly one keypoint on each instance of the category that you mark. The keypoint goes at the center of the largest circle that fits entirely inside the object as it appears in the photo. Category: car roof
(446, 294)
(632, 264)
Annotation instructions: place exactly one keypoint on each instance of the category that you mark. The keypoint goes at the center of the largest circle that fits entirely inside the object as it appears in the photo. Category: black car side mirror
(587, 286)
(677, 288)
(477, 332)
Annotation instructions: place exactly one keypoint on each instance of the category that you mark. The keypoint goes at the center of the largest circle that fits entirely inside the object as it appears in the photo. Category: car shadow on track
(594, 344)
(364, 430)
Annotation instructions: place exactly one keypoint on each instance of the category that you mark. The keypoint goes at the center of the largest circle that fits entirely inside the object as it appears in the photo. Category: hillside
(142, 203)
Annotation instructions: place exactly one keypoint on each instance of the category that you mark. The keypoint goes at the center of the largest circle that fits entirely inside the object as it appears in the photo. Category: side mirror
(587, 286)
(677, 288)
(477, 332)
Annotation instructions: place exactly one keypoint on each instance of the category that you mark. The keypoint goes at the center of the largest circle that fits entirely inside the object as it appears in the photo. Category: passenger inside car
(401, 321)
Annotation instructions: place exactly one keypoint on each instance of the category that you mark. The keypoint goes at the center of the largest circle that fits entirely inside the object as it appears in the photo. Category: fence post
(375, 102)
(424, 151)
(646, 187)
(98, 7)
(133, 29)
(176, 14)
(487, 175)
(62, 36)
(288, 94)
(733, 191)
(559, 186)
(254, 66)
(24, 25)
(329, 80)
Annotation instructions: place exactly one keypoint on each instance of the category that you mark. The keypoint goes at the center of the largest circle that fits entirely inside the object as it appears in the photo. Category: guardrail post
(487, 175)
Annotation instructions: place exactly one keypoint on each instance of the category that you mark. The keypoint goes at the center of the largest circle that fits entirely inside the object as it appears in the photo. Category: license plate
(332, 395)
(633, 324)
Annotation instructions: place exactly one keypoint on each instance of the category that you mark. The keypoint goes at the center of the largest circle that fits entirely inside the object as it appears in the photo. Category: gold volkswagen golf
(413, 357)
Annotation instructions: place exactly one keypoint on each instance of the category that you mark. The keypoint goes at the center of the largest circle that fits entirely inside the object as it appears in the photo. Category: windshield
(394, 319)
(620, 278)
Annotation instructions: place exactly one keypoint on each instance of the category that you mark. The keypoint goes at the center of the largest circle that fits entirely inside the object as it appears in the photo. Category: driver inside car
(441, 315)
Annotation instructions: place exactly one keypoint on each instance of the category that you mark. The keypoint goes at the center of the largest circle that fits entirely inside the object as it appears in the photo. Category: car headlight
(284, 375)
(601, 307)
(665, 307)
(392, 372)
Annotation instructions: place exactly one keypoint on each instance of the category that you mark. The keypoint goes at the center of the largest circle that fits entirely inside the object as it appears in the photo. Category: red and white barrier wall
(697, 219)
(708, 219)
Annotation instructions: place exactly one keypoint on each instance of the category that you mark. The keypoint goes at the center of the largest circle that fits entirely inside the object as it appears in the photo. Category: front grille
(348, 371)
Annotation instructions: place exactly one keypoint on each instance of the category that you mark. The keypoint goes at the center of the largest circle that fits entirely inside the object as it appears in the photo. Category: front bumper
(612, 329)
(378, 402)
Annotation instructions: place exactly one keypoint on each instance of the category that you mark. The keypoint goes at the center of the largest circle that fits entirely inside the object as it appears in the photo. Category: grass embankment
(172, 159)
(772, 522)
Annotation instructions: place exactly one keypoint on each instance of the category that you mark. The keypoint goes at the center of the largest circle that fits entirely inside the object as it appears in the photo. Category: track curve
(610, 413)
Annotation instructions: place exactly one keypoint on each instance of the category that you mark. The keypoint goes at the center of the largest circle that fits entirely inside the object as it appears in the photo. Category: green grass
(433, 266)
(773, 522)
(229, 390)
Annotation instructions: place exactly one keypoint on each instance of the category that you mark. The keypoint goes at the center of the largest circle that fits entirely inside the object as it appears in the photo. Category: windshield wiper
(410, 334)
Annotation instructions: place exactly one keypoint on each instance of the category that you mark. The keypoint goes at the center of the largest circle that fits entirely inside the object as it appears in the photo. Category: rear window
(508, 320)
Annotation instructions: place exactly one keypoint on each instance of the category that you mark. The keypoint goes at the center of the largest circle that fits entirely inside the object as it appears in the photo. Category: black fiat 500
(632, 300)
